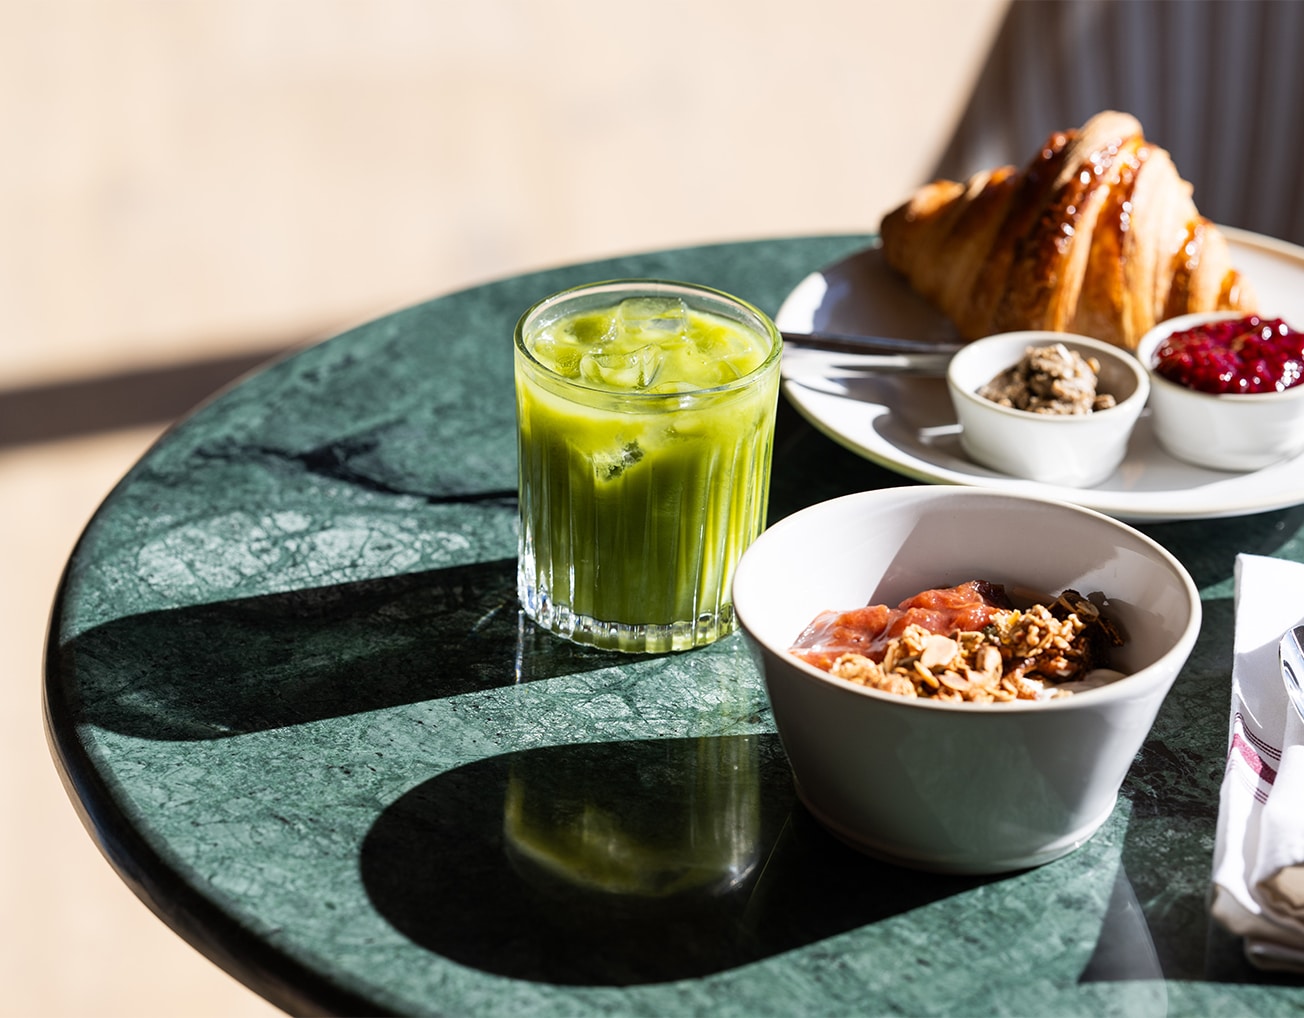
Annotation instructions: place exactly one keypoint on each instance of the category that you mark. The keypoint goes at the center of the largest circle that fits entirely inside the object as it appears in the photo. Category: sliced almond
(939, 652)
(952, 680)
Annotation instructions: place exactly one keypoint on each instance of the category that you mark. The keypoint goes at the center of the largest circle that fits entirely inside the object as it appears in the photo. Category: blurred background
(189, 187)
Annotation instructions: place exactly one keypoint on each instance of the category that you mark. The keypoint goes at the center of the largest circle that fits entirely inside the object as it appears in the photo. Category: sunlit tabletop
(291, 695)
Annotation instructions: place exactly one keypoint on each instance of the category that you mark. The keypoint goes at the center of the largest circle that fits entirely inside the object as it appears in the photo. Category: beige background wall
(181, 174)
(184, 179)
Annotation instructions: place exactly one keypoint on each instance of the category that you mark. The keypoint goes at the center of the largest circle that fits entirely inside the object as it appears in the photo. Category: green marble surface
(290, 692)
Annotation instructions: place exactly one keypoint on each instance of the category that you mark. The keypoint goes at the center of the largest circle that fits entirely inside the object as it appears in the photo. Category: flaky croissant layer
(1098, 235)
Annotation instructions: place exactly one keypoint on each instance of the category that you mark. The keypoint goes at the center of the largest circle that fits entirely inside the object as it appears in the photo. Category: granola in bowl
(966, 643)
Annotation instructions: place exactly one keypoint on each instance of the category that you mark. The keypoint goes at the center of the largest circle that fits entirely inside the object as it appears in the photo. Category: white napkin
(1258, 860)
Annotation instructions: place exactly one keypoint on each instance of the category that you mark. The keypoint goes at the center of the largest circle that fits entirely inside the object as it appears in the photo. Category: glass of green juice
(645, 413)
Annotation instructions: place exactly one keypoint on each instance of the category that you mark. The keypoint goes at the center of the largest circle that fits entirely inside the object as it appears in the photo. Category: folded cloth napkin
(1258, 861)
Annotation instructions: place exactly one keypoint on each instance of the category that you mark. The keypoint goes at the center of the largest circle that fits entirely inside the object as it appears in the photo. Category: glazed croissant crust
(1098, 236)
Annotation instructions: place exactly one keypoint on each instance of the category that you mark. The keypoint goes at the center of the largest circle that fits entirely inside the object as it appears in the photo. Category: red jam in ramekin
(1236, 355)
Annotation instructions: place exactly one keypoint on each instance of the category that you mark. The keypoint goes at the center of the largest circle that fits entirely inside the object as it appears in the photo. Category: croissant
(1098, 236)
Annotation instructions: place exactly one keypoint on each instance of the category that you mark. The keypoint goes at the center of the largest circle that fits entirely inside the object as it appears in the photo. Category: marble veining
(292, 693)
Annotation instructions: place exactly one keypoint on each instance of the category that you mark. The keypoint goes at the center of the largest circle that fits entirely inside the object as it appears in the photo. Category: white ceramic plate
(908, 425)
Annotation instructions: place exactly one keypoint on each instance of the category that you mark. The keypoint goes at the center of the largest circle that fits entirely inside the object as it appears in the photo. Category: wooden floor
(189, 187)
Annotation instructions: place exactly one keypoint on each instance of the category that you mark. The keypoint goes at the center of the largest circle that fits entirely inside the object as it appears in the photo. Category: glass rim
(653, 287)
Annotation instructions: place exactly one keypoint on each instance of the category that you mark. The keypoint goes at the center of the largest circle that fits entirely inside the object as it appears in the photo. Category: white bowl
(1222, 431)
(965, 788)
(1075, 451)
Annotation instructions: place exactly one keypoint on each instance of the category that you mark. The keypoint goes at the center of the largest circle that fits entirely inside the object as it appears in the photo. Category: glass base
(633, 638)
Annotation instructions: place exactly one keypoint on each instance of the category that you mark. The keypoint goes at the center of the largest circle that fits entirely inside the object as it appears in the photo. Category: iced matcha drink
(646, 420)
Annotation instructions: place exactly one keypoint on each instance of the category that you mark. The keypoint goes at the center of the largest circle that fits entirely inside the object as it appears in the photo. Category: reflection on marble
(603, 864)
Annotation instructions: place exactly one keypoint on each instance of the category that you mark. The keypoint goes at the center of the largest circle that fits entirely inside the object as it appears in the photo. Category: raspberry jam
(1238, 355)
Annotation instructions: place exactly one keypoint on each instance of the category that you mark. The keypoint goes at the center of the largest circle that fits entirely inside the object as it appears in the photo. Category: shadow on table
(252, 664)
(623, 863)
(629, 863)
(215, 670)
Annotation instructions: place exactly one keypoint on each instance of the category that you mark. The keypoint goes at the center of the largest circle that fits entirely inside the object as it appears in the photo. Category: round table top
(290, 691)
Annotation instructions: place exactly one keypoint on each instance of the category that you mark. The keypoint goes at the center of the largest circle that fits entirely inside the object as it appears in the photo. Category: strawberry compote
(1240, 356)
(969, 607)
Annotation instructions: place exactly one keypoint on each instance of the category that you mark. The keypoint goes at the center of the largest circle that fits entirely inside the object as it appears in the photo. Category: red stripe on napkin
(1266, 773)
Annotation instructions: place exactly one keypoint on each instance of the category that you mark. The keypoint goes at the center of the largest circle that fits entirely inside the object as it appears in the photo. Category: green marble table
(290, 693)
